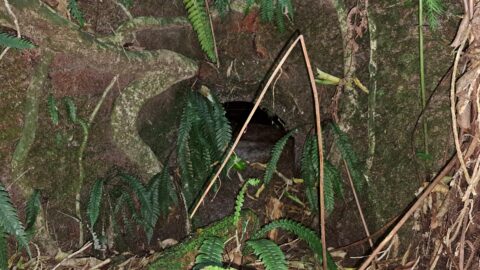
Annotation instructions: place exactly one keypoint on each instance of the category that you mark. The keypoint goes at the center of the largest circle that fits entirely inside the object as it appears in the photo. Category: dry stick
(17, 27)
(320, 150)
(407, 215)
(357, 202)
(452, 107)
(80, 156)
(87, 245)
(213, 32)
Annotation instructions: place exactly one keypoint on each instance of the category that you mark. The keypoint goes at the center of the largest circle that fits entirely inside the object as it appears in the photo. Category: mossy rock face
(127, 107)
(397, 171)
(182, 256)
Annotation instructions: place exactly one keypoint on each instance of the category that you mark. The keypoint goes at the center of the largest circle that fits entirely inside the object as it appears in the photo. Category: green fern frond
(348, 154)
(9, 221)
(223, 130)
(267, 10)
(75, 12)
(210, 253)
(71, 109)
(269, 253)
(7, 40)
(222, 6)
(198, 17)
(275, 156)
(166, 192)
(303, 233)
(145, 207)
(52, 109)
(93, 207)
(279, 18)
(241, 198)
(310, 174)
(32, 209)
(434, 9)
(3, 250)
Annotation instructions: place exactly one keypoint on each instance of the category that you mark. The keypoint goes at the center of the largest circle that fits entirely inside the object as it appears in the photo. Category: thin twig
(86, 246)
(452, 107)
(407, 215)
(17, 27)
(213, 32)
(86, 128)
(359, 207)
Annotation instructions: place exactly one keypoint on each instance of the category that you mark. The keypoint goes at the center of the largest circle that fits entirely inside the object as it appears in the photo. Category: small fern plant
(203, 136)
(11, 225)
(7, 40)
(154, 199)
(199, 18)
(75, 12)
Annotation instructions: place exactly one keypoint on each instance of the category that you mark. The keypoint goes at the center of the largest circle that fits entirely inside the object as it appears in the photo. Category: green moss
(183, 255)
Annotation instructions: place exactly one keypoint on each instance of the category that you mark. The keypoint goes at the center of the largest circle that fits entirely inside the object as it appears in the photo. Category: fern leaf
(267, 10)
(241, 198)
(269, 253)
(222, 6)
(7, 40)
(165, 197)
(3, 250)
(53, 109)
(434, 9)
(9, 221)
(303, 233)
(198, 17)
(93, 207)
(275, 156)
(310, 174)
(71, 109)
(223, 130)
(32, 209)
(210, 253)
(75, 12)
(279, 18)
(348, 154)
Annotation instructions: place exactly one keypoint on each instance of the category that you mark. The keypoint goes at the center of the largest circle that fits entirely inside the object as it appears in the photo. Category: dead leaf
(274, 211)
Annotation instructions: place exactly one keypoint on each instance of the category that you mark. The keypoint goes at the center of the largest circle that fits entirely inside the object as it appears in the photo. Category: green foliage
(75, 12)
(197, 14)
(276, 10)
(127, 3)
(434, 8)
(31, 210)
(53, 109)
(204, 134)
(93, 207)
(154, 199)
(241, 197)
(303, 233)
(3, 250)
(9, 222)
(348, 154)
(71, 109)
(210, 253)
(269, 253)
(7, 40)
(310, 174)
(222, 6)
(275, 156)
